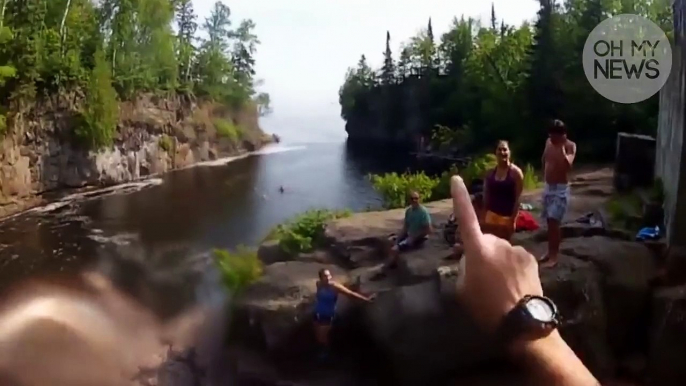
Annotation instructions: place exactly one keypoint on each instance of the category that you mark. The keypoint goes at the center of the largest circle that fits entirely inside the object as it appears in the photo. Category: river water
(163, 226)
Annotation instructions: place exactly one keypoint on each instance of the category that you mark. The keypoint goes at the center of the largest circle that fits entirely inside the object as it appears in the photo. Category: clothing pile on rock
(526, 222)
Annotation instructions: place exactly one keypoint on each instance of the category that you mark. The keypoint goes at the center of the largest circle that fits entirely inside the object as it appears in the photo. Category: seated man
(416, 229)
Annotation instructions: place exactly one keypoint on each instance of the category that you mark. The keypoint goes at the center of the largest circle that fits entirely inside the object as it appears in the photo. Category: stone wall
(670, 163)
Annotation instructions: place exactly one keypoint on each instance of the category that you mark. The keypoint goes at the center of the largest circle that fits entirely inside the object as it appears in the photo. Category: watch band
(519, 322)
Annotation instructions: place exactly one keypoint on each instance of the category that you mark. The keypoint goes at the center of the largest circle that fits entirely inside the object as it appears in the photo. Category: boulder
(275, 312)
(575, 286)
(627, 268)
(667, 353)
(270, 252)
(426, 335)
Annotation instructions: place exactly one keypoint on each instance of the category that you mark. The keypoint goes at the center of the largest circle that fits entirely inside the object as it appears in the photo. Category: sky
(307, 46)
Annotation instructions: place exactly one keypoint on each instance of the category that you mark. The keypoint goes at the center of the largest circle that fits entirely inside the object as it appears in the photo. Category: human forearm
(346, 291)
(550, 362)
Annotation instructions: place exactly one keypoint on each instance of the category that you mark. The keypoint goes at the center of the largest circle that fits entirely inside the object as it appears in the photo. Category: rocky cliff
(155, 135)
(415, 332)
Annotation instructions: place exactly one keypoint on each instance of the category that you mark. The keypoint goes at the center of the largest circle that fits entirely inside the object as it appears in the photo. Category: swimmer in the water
(281, 189)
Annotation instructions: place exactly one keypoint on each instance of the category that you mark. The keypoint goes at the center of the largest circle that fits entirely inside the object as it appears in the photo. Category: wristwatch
(533, 317)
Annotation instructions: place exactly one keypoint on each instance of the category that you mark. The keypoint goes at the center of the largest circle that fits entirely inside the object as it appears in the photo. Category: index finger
(465, 215)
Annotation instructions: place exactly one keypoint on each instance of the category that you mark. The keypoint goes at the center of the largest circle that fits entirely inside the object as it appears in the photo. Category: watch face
(540, 310)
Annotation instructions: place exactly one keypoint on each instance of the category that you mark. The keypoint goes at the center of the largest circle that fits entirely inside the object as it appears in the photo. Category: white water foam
(152, 180)
(122, 188)
(271, 149)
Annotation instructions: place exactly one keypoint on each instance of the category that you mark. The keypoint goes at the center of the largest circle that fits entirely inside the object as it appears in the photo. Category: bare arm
(518, 177)
(547, 144)
(569, 151)
(345, 291)
(550, 362)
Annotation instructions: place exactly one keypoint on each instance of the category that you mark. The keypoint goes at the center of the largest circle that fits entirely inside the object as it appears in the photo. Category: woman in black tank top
(502, 189)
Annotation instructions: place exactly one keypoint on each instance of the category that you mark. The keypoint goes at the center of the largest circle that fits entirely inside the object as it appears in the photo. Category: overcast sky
(307, 45)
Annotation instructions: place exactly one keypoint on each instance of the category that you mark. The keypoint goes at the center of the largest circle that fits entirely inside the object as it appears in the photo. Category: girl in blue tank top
(325, 306)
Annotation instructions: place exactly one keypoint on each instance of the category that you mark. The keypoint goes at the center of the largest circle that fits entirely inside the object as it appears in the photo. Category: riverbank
(40, 159)
(415, 333)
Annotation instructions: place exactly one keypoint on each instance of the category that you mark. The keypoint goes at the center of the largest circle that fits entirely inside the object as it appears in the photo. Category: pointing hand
(496, 275)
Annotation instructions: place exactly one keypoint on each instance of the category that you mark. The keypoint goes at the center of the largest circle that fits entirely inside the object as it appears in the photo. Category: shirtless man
(557, 159)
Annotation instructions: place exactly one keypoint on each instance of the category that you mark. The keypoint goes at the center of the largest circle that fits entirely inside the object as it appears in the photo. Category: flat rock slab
(367, 228)
(422, 264)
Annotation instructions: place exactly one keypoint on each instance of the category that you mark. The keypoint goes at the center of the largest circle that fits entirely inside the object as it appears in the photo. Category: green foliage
(165, 143)
(395, 188)
(502, 81)
(304, 232)
(442, 189)
(239, 268)
(530, 180)
(48, 48)
(99, 125)
(624, 210)
(478, 167)
(227, 129)
(3, 125)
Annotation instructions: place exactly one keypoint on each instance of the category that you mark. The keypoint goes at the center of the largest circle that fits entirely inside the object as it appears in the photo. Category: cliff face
(155, 135)
(396, 116)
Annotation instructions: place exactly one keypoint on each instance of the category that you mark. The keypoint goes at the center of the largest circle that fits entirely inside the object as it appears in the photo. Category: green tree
(186, 26)
(244, 48)
(388, 69)
(100, 117)
(494, 20)
(404, 63)
(503, 83)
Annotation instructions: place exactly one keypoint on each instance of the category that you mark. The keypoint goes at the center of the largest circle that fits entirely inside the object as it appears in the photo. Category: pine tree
(544, 93)
(433, 62)
(494, 20)
(404, 63)
(244, 48)
(388, 69)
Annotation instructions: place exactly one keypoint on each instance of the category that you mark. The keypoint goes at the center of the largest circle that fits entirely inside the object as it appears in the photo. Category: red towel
(526, 222)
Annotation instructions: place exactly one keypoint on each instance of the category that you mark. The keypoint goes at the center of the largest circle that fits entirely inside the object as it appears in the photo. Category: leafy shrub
(304, 232)
(394, 188)
(165, 143)
(239, 268)
(478, 168)
(442, 189)
(530, 180)
(227, 129)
